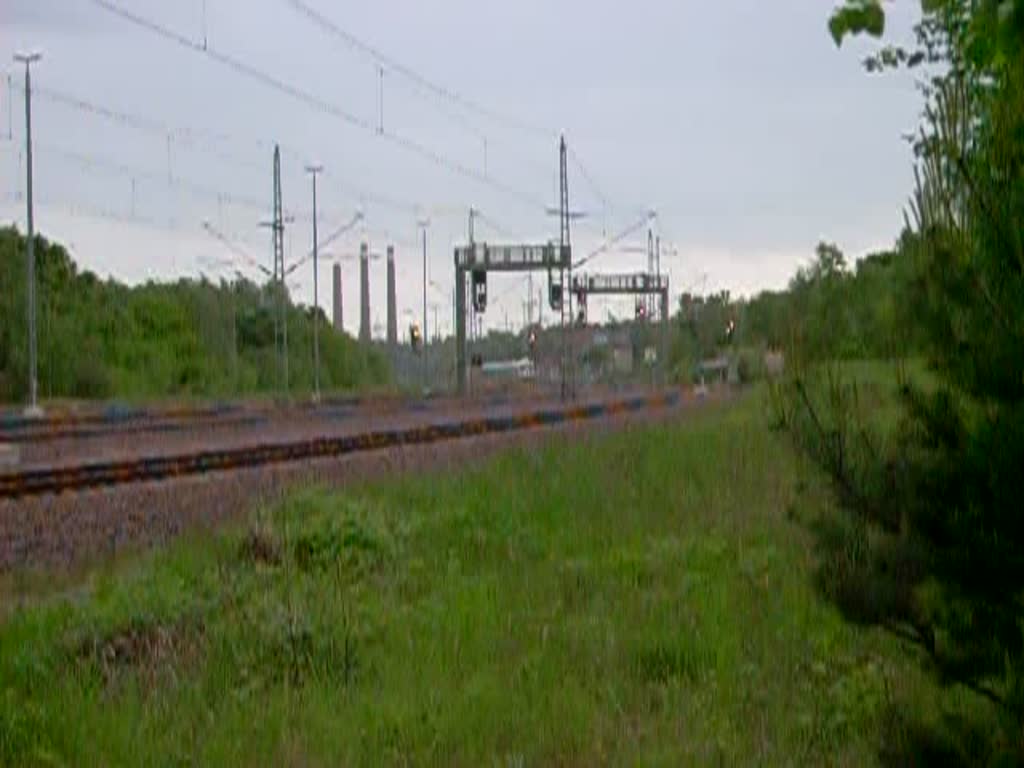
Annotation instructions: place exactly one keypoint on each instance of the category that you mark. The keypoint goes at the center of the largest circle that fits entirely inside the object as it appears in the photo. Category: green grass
(645, 597)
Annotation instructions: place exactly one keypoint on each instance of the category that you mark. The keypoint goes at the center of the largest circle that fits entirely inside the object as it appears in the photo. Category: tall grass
(641, 597)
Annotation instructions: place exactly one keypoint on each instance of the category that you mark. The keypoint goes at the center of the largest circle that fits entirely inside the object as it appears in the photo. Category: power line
(589, 179)
(616, 239)
(237, 250)
(136, 172)
(410, 74)
(501, 230)
(523, 281)
(108, 214)
(424, 86)
(10, 107)
(309, 99)
(201, 140)
(196, 139)
(169, 179)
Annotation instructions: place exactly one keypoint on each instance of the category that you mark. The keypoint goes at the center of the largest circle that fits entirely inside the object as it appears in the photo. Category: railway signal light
(555, 296)
(479, 290)
(415, 338)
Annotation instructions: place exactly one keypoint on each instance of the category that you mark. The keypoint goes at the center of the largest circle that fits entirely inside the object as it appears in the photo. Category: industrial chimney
(392, 299)
(339, 323)
(364, 293)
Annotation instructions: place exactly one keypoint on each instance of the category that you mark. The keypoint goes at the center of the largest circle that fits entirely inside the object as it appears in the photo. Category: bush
(99, 339)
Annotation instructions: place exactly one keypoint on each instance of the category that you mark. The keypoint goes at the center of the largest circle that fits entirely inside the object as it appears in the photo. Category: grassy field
(646, 597)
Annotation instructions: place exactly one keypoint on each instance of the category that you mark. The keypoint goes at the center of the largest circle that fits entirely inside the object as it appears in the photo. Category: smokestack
(339, 323)
(364, 293)
(392, 299)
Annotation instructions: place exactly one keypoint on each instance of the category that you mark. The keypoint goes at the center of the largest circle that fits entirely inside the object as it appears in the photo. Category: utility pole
(314, 170)
(424, 223)
(649, 300)
(568, 364)
(529, 298)
(276, 225)
(234, 330)
(472, 304)
(380, 101)
(33, 378)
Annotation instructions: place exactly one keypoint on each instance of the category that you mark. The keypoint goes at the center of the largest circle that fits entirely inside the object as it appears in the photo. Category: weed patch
(143, 647)
(678, 660)
(639, 598)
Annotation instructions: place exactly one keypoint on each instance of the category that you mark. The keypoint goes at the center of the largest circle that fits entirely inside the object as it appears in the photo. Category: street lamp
(33, 379)
(314, 170)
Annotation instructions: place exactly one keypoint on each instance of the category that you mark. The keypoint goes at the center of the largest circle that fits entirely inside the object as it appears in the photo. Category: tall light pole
(424, 223)
(30, 252)
(314, 170)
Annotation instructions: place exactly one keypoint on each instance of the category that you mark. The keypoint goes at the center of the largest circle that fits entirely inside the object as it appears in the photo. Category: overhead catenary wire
(199, 140)
(140, 173)
(299, 94)
(497, 227)
(609, 243)
(161, 178)
(346, 227)
(235, 249)
(134, 120)
(415, 77)
(202, 141)
(10, 107)
(90, 211)
(587, 177)
(421, 85)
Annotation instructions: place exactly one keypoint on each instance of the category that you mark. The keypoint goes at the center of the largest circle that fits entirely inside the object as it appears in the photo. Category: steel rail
(91, 475)
(64, 425)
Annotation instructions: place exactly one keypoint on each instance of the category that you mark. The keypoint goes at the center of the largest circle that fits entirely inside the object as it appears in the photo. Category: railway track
(40, 481)
(65, 425)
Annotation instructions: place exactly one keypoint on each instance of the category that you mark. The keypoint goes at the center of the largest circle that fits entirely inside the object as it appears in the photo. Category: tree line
(101, 338)
(830, 310)
(931, 542)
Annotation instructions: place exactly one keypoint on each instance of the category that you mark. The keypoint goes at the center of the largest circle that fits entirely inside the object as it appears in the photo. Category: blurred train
(518, 370)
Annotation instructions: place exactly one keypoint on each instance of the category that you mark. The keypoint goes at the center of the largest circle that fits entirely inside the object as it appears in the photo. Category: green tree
(952, 494)
(102, 339)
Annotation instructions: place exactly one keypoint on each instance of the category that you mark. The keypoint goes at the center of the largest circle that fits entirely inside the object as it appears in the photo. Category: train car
(522, 370)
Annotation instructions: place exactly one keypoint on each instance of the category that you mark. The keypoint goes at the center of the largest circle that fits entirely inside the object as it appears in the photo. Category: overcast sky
(738, 121)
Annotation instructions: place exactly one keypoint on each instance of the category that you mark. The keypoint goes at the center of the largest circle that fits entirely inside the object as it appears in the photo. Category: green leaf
(857, 17)
(874, 19)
